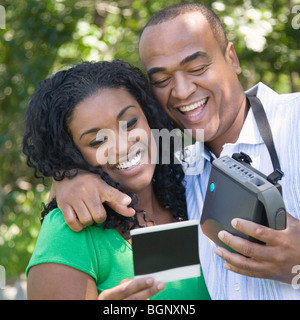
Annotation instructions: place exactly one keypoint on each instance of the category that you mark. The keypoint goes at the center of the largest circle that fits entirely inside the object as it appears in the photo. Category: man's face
(193, 80)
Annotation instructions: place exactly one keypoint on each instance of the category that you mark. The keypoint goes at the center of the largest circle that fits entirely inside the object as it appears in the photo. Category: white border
(167, 226)
(174, 274)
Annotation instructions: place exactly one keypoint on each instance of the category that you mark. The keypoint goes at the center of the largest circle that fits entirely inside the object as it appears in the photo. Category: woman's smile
(133, 161)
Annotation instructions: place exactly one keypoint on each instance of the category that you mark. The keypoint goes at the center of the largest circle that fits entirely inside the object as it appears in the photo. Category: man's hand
(80, 200)
(274, 260)
(137, 289)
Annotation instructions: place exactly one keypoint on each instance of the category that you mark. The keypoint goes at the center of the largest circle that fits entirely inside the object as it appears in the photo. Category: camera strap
(266, 134)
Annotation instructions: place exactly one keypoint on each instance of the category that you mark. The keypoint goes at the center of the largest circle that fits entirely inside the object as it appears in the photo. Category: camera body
(237, 190)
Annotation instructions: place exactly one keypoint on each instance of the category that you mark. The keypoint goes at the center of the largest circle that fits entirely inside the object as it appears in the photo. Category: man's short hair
(175, 10)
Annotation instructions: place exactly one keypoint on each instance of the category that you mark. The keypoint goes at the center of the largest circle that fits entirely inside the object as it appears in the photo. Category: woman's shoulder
(54, 217)
(57, 243)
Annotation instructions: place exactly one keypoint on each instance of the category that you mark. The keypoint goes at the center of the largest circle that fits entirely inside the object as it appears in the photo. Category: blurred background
(44, 36)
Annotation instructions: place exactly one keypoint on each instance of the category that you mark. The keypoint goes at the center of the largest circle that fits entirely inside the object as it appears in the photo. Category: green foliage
(42, 37)
(35, 30)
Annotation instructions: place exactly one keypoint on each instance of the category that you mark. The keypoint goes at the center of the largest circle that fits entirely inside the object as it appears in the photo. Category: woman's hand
(133, 289)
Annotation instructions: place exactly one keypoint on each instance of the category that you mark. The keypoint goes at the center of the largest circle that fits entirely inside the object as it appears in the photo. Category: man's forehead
(181, 36)
(190, 22)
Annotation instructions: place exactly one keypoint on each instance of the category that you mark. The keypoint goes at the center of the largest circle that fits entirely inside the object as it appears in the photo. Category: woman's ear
(232, 58)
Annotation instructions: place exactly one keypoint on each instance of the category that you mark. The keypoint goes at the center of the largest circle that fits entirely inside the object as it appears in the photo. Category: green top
(103, 254)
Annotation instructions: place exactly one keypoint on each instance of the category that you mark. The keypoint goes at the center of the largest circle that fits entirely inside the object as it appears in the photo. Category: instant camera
(237, 190)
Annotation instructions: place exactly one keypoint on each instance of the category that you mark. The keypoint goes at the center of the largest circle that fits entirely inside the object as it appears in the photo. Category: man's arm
(81, 200)
(274, 260)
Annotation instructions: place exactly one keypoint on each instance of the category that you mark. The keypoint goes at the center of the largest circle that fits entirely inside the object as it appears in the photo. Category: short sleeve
(57, 243)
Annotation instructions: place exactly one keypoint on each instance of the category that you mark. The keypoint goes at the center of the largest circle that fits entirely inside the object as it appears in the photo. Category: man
(194, 71)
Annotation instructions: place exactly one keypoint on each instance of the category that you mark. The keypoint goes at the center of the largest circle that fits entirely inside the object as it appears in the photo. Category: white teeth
(193, 106)
(129, 164)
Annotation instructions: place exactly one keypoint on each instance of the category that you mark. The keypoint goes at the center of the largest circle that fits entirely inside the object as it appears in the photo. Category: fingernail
(221, 235)
(227, 266)
(149, 281)
(126, 200)
(234, 223)
(219, 252)
(160, 286)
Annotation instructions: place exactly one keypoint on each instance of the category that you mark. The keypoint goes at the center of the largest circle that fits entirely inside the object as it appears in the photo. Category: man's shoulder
(292, 98)
(265, 93)
(285, 106)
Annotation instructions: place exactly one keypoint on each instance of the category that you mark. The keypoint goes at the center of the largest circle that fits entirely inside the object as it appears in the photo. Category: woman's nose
(121, 149)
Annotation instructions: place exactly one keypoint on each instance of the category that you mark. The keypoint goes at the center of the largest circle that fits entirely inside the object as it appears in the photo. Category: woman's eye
(130, 124)
(98, 142)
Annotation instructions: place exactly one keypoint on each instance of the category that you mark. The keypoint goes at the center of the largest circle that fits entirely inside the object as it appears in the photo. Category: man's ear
(232, 58)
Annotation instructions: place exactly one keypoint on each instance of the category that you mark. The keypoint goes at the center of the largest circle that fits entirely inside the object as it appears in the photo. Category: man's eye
(160, 83)
(98, 142)
(198, 70)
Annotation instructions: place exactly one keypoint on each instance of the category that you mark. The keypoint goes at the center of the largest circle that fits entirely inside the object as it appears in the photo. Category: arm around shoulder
(81, 199)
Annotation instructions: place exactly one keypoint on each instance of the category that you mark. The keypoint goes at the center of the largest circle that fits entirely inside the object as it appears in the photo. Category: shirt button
(237, 287)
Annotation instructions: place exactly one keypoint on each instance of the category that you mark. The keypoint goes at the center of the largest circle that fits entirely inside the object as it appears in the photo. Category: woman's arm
(52, 281)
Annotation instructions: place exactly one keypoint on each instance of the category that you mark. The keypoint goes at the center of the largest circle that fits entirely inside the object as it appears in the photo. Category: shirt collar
(250, 133)
(207, 154)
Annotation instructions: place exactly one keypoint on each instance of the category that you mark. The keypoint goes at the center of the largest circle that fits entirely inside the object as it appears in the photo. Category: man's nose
(183, 86)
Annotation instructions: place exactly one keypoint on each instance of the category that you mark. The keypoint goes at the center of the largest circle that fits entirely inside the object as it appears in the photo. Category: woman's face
(110, 129)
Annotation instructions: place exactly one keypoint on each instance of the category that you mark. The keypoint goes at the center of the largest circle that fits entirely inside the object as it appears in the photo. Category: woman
(101, 113)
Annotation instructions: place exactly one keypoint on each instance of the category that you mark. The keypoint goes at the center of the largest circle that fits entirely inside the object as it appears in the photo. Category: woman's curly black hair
(49, 147)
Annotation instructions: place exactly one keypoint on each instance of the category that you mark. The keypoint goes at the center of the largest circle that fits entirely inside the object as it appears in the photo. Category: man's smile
(193, 106)
(193, 112)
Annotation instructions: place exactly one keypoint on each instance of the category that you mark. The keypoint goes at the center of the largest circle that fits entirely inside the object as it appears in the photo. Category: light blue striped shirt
(283, 112)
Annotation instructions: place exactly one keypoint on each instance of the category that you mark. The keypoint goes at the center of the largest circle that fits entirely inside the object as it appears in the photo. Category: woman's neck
(150, 208)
